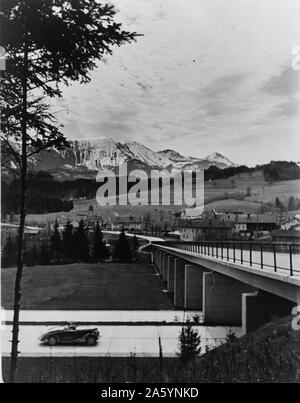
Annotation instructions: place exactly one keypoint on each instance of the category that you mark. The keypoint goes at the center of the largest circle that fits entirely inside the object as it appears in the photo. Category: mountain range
(84, 158)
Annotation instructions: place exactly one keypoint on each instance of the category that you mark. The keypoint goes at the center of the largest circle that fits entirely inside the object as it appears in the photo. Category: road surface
(282, 259)
(116, 341)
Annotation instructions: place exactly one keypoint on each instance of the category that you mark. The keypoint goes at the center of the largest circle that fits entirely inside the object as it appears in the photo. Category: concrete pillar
(171, 273)
(259, 308)
(160, 258)
(179, 277)
(193, 291)
(165, 268)
(222, 299)
(156, 254)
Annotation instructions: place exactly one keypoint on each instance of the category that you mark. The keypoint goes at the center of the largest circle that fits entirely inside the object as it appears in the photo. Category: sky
(207, 76)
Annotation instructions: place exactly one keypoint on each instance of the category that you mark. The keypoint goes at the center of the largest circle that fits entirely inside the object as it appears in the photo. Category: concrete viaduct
(225, 285)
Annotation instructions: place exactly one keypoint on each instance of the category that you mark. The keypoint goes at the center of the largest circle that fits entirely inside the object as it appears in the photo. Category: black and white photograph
(150, 194)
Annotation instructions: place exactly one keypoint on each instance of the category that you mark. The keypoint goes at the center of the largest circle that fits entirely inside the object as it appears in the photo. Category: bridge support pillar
(179, 280)
(165, 268)
(160, 262)
(259, 308)
(171, 273)
(222, 299)
(152, 257)
(193, 293)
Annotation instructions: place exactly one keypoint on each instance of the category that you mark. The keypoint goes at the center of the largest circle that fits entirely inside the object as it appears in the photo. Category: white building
(290, 222)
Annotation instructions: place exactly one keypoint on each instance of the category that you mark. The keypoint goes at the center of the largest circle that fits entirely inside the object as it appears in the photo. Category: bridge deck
(282, 270)
(282, 259)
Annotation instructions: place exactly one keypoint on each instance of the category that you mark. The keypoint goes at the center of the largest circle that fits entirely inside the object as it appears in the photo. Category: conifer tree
(56, 243)
(32, 256)
(81, 243)
(48, 43)
(135, 247)
(189, 343)
(123, 250)
(100, 250)
(44, 255)
(68, 242)
(8, 256)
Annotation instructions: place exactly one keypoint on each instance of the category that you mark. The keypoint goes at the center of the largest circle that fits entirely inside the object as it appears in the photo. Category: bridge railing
(262, 254)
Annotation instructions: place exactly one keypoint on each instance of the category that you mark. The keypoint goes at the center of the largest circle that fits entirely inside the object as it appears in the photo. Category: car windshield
(70, 326)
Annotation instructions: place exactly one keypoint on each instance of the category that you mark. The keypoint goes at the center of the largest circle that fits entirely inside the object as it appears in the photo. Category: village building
(128, 223)
(290, 223)
(196, 230)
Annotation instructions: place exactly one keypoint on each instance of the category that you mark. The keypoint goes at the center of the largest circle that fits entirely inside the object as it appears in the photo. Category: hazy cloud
(207, 75)
(286, 83)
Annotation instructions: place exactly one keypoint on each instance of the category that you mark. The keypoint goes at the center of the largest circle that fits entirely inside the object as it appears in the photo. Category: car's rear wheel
(91, 340)
(52, 341)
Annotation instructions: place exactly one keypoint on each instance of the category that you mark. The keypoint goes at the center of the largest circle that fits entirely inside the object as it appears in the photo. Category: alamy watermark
(156, 188)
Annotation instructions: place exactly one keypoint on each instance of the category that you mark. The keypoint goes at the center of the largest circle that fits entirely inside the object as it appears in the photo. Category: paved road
(145, 237)
(99, 316)
(282, 259)
(115, 341)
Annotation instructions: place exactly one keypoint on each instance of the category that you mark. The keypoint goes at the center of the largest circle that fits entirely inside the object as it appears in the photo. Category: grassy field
(283, 190)
(109, 286)
(222, 194)
(234, 205)
(271, 354)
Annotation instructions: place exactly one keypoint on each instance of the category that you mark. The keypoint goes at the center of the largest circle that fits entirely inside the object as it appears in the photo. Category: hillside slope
(270, 354)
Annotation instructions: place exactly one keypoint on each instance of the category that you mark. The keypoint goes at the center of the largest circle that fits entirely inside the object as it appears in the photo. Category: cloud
(224, 85)
(286, 83)
(287, 108)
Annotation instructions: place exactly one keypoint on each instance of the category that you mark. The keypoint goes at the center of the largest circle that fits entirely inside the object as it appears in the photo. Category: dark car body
(70, 335)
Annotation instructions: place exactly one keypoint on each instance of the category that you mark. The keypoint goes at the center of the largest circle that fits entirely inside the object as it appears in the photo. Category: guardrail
(250, 253)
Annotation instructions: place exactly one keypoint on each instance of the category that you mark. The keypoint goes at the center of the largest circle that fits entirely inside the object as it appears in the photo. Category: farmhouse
(290, 223)
(196, 230)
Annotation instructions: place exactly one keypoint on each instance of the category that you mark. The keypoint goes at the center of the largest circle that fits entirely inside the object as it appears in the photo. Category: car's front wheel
(91, 340)
(52, 341)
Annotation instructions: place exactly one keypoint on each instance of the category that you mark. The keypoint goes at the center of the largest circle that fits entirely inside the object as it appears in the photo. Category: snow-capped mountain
(83, 158)
(94, 155)
(173, 155)
(219, 159)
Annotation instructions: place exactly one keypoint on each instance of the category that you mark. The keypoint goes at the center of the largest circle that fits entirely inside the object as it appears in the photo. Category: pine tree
(56, 243)
(292, 204)
(279, 205)
(189, 343)
(44, 255)
(48, 44)
(81, 243)
(123, 251)
(100, 251)
(8, 256)
(32, 256)
(68, 242)
(135, 247)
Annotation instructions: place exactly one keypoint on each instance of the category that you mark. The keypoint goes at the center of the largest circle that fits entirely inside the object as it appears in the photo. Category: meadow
(105, 286)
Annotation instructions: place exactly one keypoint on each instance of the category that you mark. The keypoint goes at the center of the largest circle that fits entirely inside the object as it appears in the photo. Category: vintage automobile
(69, 335)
